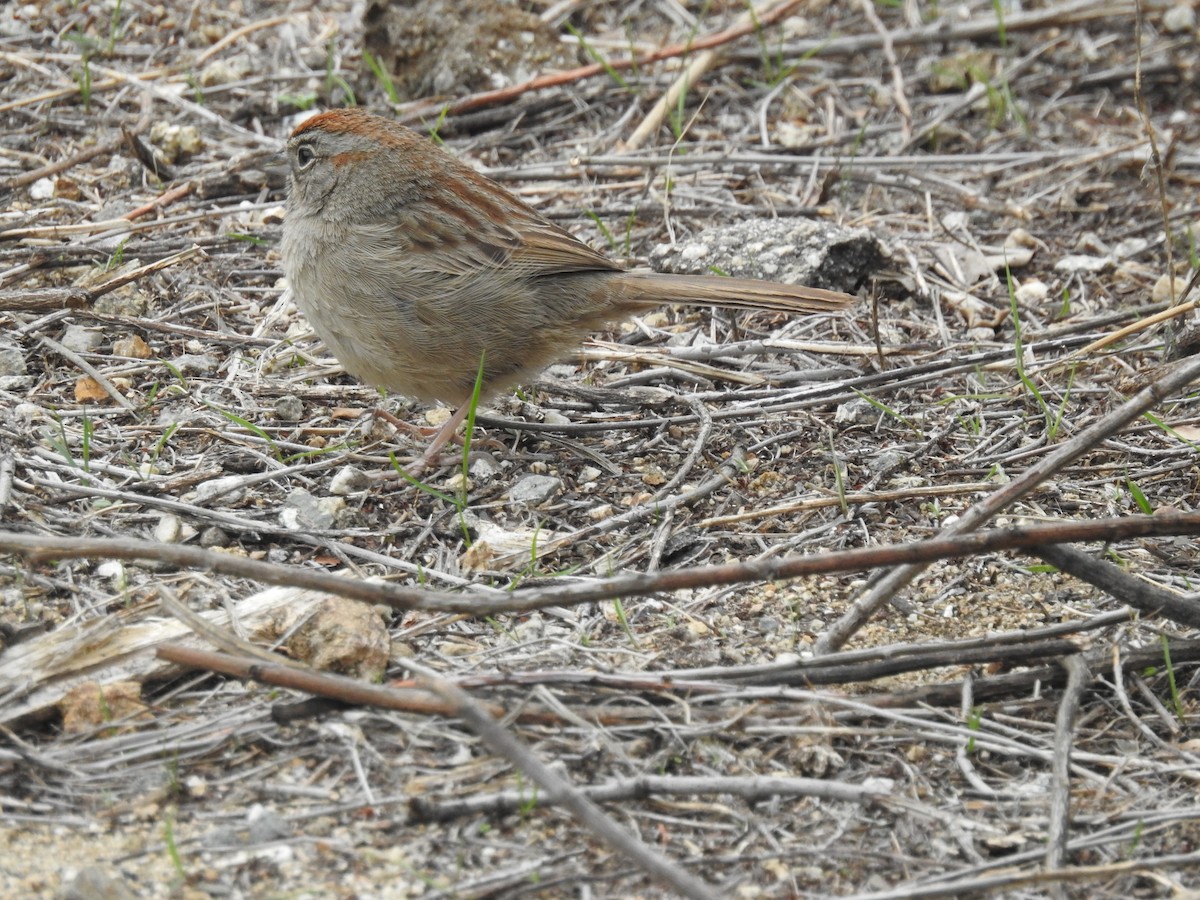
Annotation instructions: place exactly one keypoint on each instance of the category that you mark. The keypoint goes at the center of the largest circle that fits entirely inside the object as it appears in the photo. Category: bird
(419, 272)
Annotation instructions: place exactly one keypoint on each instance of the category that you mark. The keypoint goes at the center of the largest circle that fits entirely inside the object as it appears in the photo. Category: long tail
(652, 289)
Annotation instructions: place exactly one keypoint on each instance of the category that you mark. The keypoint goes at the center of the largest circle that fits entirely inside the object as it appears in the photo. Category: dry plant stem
(1137, 327)
(752, 790)
(961, 757)
(1167, 718)
(1141, 595)
(321, 684)
(654, 119)
(934, 33)
(660, 505)
(1017, 683)
(560, 791)
(1156, 160)
(88, 369)
(217, 636)
(899, 495)
(1118, 686)
(934, 653)
(237, 34)
(40, 548)
(994, 884)
(695, 71)
(508, 94)
(75, 297)
(1078, 678)
(888, 585)
(889, 54)
(54, 168)
(45, 298)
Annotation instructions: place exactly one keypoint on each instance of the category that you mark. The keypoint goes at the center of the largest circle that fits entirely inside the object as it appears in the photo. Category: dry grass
(678, 441)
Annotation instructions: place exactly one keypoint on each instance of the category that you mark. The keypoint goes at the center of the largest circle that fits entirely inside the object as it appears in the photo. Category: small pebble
(302, 511)
(289, 408)
(12, 361)
(168, 528)
(533, 490)
(213, 537)
(348, 480)
(483, 466)
(82, 339)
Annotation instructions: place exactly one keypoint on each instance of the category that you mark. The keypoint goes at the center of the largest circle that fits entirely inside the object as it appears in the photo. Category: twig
(1080, 875)
(938, 32)
(1120, 585)
(889, 54)
(88, 369)
(239, 33)
(558, 789)
(705, 42)
(79, 297)
(1078, 678)
(884, 588)
(36, 548)
(750, 789)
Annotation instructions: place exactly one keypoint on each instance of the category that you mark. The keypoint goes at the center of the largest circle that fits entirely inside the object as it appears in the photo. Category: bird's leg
(440, 439)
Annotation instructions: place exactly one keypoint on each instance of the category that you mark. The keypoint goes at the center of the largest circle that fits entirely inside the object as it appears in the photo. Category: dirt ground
(1010, 190)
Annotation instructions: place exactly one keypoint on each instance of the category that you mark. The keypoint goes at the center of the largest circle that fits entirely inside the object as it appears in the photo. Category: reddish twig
(554, 79)
(40, 548)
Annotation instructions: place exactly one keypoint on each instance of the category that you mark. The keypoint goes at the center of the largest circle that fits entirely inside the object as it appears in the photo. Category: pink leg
(440, 439)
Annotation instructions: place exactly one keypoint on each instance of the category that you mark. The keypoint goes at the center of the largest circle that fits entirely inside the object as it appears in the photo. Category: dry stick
(723, 476)
(39, 548)
(994, 884)
(935, 33)
(1155, 161)
(88, 369)
(219, 637)
(1018, 683)
(78, 297)
(1078, 679)
(883, 590)
(140, 83)
(1140, 325)
(751, 20)
(560, 791)
(1118, 584)
(110, 146)
(769, 702)
(752, 789)
(508, 94)
(932, 653)
(693, 73)
(237, 34)
(1118, 686)
(320, 684)
(853, 499)
(889, 54)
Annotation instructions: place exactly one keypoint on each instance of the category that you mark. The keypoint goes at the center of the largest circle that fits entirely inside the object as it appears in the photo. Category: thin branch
(38, 548)
(888, 585)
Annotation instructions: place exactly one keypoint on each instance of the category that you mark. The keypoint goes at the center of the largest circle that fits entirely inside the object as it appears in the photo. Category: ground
(1018, 187)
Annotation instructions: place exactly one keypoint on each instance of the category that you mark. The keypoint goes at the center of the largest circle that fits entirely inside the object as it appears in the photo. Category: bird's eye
(305, 156)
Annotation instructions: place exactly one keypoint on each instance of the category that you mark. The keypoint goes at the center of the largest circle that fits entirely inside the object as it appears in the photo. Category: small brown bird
(413, 267)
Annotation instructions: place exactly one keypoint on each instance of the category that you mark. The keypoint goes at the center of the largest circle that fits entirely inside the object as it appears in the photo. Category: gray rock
(533, 490)
(792, 251)
(12, 362)
(302, 511)
(93, 883)
(289, 408)
(82, 339)
(348, 480)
